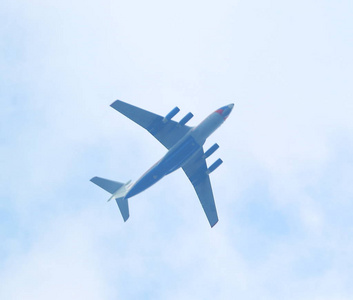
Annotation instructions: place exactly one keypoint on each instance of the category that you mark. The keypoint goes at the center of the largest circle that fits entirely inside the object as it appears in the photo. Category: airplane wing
(167, 132)
(195, 170)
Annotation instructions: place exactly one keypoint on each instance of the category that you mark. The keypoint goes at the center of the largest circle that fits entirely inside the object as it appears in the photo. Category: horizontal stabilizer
(106, 184)
(118, 191)
(124, 207)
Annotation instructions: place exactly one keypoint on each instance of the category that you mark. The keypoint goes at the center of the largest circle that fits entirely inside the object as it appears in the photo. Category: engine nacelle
(186, 119)
(169, 116)
(214, 166)
(210, 151)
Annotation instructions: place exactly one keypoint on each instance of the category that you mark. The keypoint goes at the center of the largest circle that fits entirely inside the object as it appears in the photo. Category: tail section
(109, 185)
(118, 191)
(124, 207)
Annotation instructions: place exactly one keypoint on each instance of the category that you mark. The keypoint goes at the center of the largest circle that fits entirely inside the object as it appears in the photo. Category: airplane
(185, 150)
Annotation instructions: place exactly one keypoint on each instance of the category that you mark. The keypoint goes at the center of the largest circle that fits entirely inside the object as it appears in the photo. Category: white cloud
(60, 263)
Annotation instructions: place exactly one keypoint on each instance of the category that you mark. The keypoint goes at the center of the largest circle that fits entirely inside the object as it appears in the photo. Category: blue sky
(284, 192)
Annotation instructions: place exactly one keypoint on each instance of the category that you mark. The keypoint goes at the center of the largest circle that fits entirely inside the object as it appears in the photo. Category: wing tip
(115, 103)
(93, 179)
(214, 223)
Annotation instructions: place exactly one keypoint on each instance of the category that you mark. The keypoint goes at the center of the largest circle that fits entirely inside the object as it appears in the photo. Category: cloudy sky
(284, 192)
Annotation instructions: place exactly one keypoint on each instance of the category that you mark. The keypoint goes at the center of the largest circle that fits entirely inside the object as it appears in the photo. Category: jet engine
(169, 116)
(210, 151)
(186, 119)
(214, 166)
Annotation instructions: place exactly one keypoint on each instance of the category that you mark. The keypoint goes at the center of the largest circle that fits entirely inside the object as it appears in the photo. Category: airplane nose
(225, 110)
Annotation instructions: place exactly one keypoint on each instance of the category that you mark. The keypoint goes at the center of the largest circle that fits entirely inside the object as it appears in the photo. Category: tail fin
(118, 191)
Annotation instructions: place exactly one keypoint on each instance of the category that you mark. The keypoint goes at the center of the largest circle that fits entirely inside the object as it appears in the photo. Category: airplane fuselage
(181, 152)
